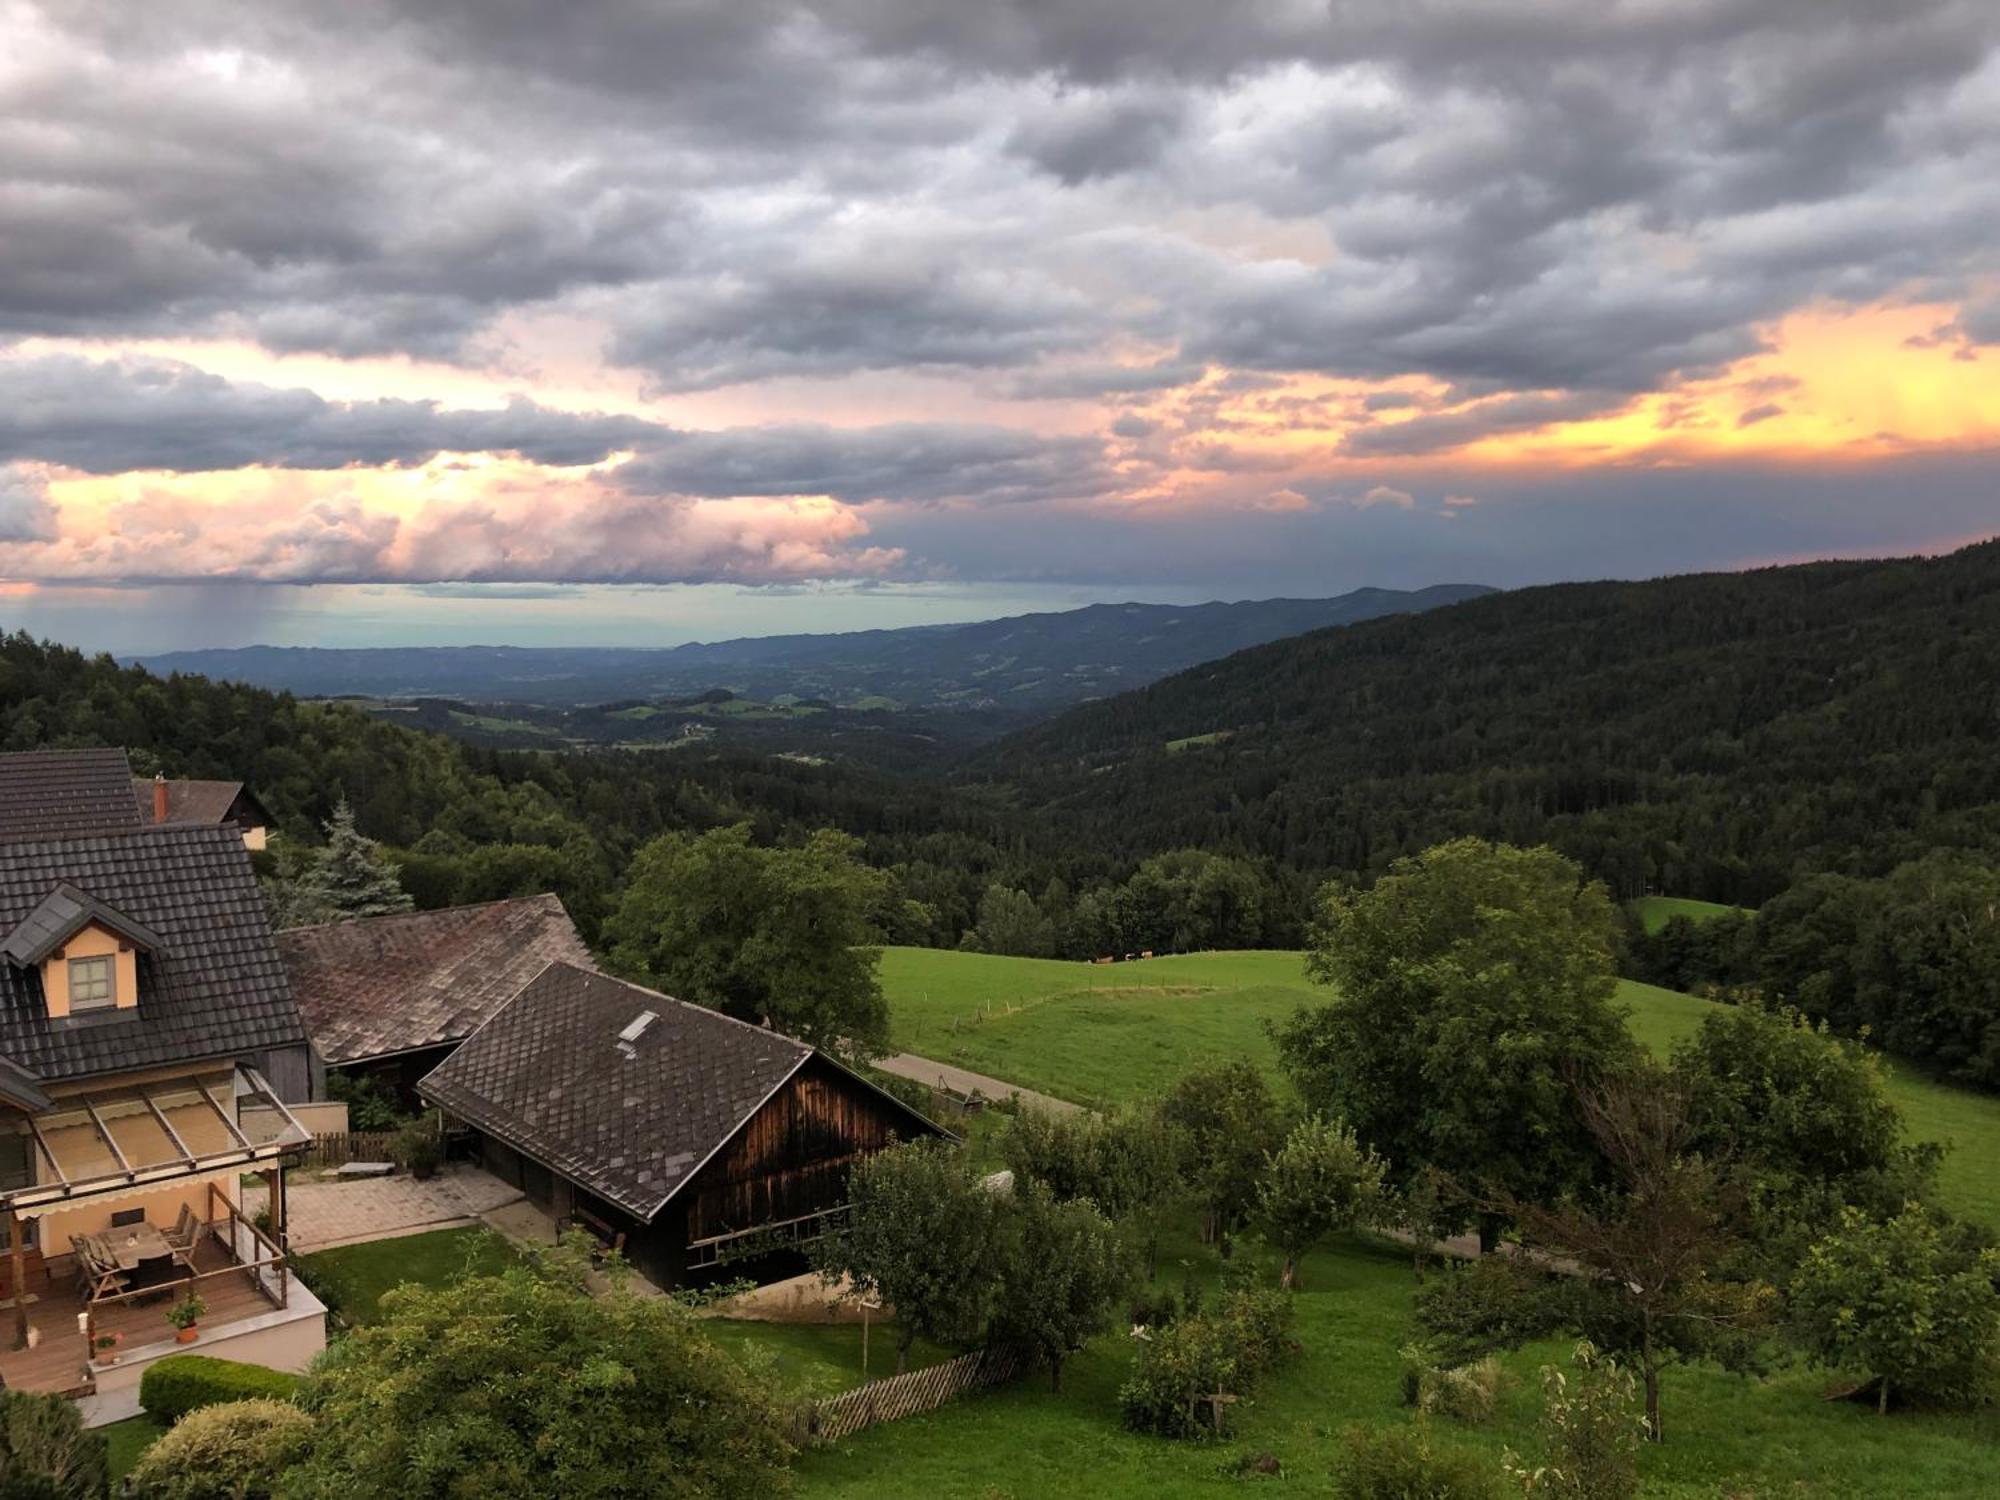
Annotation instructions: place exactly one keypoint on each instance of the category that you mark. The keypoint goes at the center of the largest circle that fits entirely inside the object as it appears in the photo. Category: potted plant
(184, 1314)
(419, 1148)
(107, 1347)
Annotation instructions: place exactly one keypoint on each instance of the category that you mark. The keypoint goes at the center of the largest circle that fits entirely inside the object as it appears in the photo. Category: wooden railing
(182, 1287)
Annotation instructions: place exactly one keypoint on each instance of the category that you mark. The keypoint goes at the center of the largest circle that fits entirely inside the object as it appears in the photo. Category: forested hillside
(470, 824)
(1712, 735)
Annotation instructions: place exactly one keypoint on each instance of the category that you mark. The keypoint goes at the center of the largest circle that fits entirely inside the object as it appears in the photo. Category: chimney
(159, 796)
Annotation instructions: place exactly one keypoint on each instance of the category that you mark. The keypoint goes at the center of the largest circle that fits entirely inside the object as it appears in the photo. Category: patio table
(131, 1244)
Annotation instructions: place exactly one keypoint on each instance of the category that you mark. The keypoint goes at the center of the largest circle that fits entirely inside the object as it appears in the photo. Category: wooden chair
(183, 1237)
(97, 1275)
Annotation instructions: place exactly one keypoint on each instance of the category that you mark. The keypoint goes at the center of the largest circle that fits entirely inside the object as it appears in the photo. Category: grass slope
(1656, 911)
(1104, 1033)
(1728, 1435)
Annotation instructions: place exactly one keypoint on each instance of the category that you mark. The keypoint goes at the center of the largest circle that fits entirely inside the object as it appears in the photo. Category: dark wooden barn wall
(793, 1156)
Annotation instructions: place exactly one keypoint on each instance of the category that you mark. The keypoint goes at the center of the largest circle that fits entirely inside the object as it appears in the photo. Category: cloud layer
(827, 272)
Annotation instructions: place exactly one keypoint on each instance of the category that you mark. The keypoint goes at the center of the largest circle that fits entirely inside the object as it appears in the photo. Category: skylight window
(638, 1027)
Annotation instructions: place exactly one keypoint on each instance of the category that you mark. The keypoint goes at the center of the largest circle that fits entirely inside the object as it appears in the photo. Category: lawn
(819, 1359)
(352, 1279)
(1100, 1033)
(1656, 911)
(1730, 1435)
(127, 1440)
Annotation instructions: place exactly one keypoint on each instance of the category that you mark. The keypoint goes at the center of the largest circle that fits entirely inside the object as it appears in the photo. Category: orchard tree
(1472, 983)
(777, 936)
(924, 1235)
(522, 1385)
(1127, 1164)
(1902, 1302)
(1321, 1181)
(1228, 1122)
(1806, 1119)
(1652, 1242)
(1067, 1272)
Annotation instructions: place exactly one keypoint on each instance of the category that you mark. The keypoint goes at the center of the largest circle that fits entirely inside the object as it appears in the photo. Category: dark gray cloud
(908, 461)
(1543, 194)
(109, 417)
(1439, 431)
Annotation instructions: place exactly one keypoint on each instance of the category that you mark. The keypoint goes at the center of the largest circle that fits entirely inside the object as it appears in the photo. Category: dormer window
(87, 951)
(93, 982)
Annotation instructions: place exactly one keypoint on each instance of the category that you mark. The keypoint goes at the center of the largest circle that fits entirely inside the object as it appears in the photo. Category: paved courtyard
(325, 1214)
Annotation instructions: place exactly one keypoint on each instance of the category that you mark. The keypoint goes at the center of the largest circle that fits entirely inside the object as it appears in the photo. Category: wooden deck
(57, 1360)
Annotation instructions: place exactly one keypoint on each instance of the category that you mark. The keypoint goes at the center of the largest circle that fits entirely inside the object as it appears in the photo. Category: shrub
(44, 1452)
(1591, 1427)
(371, 1105)
(233, 1451)
(1177, 1366)
(181, 1383)
(1399, 1463)
(1153, 1307)
(418, 1147)
(1257, 1322)
(1465, 1393)
(1182, 1364)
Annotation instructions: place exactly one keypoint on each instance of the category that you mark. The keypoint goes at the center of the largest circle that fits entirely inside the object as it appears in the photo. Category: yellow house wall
(92, 942)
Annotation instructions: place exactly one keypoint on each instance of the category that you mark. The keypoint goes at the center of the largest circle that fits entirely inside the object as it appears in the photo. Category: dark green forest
(1717, 736)
(1816, 741)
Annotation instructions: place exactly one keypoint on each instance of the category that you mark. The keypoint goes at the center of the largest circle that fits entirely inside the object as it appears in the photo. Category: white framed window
(92, 982)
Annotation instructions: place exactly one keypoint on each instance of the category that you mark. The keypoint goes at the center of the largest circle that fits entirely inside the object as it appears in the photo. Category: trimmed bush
(181, 1383)
(234, 1451)
(1399, 1463)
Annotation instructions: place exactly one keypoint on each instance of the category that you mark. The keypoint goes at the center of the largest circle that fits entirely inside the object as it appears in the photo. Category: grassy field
(1656, 911)
(352, 1279)
(1729, 1436)
(1101, 1033)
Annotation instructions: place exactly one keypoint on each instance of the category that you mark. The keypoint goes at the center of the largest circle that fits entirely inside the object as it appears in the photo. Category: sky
(390, 321)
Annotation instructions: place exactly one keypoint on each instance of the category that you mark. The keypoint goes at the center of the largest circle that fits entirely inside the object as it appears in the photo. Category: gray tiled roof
(62, 793)
(213, 987)
(187, 801)
(382, 985)
(60, 916)
(548, 1076)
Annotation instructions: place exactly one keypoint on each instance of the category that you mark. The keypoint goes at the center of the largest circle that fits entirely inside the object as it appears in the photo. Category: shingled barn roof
(378, 986)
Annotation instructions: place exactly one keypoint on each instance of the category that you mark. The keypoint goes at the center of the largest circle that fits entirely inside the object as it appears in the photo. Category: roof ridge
(404, 916)
(707, 1010)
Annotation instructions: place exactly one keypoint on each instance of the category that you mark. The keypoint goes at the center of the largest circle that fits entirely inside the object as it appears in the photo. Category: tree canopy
(522, 1385)
(1472, 985)
(780, 935)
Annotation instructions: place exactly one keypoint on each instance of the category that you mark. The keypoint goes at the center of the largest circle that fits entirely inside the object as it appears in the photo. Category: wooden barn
(693, 1140)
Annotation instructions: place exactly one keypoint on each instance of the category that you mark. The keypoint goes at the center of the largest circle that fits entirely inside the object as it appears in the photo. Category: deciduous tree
(1322, 1180)
(1229, 1122)
(778, 936)
(924, 1235)
(1066, 1273)
(524, 1385)
(1899, 1301)
(1472, 982)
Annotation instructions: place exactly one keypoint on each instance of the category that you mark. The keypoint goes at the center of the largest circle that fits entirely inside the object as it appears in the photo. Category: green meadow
(1103, 1033)
(1656, 911)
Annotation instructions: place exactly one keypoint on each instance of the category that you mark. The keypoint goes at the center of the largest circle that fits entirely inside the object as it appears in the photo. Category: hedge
(181, 1383)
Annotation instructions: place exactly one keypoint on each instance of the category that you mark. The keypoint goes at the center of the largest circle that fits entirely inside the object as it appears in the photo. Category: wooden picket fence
(909, 1395)
(337, 1150)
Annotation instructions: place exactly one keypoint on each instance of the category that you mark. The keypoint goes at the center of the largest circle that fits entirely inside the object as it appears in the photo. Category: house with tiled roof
(145, 1018)
(162, 799)
(389, 997)
(691, 1140)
